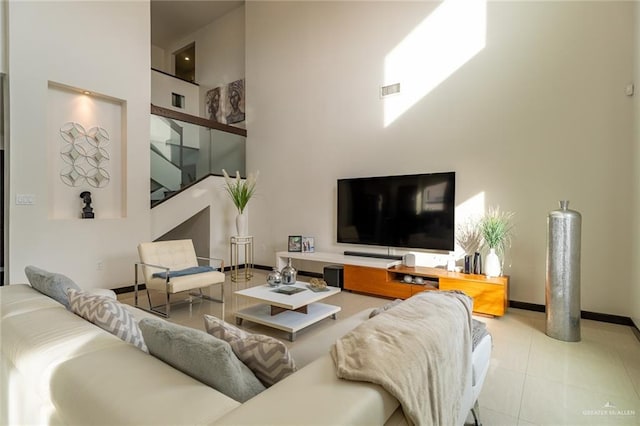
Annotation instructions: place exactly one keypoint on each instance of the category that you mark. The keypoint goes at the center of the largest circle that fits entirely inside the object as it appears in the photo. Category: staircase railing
(186, 149)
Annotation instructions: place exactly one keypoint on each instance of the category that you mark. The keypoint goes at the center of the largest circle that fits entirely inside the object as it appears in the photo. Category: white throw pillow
(108, 314)
(268, 358)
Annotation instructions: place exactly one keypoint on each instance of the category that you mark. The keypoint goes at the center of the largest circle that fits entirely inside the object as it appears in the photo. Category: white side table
(239, 243)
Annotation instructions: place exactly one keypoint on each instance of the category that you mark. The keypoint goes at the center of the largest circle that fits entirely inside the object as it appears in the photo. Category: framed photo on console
(295, 243)
(307, 245)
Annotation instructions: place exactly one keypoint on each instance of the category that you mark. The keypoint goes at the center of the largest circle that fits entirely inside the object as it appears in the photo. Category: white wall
(158, 59)
(76, 49)
(3, 37)
(220, 53)
(635, 295)
(162, 86)
(538, 115)
(206, 194)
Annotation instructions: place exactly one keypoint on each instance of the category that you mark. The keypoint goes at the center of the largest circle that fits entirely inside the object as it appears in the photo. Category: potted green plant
(496, 229)
(241, 192)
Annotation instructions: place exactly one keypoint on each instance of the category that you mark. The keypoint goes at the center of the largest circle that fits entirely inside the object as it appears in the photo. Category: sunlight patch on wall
(469, 211)
(447, 38)
(471, 208)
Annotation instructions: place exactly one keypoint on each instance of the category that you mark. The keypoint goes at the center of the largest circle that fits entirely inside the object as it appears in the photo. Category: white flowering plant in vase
(469, 236)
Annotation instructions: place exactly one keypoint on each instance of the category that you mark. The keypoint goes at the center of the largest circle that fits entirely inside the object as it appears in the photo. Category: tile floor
(533, 379)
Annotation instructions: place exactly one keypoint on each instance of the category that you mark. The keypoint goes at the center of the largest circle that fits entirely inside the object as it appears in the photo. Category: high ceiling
(173, 19)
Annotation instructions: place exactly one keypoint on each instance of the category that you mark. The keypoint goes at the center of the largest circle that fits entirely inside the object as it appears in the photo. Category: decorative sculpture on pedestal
(87, 210)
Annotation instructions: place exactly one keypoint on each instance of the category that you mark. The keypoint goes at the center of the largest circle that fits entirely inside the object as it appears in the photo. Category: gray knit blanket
(419, 351)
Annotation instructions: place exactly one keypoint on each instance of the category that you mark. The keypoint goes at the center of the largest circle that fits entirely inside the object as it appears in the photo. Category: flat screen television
(410, 211)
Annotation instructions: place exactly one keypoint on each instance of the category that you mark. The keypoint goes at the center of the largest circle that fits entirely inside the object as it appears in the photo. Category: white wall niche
(92, 111)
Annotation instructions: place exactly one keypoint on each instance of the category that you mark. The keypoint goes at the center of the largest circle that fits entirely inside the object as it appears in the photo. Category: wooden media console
(383, 277)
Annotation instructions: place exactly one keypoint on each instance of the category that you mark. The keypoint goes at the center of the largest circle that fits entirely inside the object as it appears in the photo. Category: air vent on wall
(391, 89)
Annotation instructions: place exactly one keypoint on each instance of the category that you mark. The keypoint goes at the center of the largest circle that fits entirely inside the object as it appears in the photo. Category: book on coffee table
(289, 290)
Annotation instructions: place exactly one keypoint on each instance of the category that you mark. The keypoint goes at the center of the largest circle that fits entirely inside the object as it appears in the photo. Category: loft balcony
(186, 148)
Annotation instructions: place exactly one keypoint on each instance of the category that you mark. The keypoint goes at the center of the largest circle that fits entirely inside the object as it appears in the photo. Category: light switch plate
(25, 199)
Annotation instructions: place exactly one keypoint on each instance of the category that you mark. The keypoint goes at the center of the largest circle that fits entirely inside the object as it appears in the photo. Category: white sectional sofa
(60, 369)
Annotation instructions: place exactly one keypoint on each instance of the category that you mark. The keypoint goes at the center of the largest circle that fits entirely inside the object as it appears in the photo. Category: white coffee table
(290, 313)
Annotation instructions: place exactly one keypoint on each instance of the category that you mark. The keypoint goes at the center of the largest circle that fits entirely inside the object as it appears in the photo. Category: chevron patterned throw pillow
(268, 358)
(108, 314)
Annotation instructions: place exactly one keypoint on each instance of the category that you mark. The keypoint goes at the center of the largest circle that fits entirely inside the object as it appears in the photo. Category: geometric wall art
(85, 154)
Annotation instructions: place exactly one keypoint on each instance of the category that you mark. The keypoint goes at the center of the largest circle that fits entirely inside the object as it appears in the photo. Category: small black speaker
(334, 275)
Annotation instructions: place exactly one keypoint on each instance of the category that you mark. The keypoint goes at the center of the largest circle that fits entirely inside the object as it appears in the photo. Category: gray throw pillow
(50, 284)
(202, 357)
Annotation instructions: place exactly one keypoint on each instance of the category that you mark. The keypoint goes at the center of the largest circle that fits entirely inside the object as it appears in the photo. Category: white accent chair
(176, 260)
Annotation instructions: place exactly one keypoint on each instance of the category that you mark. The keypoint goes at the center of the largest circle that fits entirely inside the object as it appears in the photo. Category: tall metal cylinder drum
(562, 289)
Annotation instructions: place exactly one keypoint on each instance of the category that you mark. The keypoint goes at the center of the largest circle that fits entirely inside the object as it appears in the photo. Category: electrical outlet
(99, 266)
